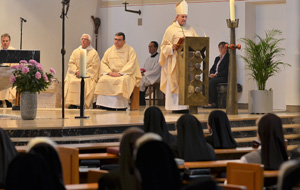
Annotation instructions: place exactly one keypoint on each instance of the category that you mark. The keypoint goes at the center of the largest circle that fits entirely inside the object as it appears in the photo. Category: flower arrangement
(31, 77)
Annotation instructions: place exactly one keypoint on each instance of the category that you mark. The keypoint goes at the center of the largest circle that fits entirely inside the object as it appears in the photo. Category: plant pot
(260, 101)
(28, 105)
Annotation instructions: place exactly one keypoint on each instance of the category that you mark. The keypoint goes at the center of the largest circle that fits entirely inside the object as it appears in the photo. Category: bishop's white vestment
(169, 82)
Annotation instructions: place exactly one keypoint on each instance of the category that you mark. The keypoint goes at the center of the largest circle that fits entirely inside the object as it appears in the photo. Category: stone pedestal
(260, 101)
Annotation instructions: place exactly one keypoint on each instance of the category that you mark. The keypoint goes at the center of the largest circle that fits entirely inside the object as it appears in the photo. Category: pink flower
(20, 66)
(33, 62)
(45, 77)
(52, 71)
(38, 75)
(12, 79)
(39, 66)
(23, 61)
(14, 67)
(25, 70)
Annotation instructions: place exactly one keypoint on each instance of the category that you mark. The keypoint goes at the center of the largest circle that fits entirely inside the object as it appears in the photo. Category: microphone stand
(63, 52)
(17, 106)
(21, 33)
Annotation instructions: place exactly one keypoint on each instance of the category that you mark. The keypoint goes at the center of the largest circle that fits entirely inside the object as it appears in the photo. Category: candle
(232, 11)
(83, 63)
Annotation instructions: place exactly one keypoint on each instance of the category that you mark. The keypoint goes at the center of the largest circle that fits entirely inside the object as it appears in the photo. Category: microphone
(201, 30)
(23, 19)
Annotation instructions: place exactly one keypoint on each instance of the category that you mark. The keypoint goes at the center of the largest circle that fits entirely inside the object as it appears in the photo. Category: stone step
(245, 138)
(293, 139)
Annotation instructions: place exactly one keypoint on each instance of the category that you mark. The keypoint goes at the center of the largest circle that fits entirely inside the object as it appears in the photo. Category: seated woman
(126, 176)
(156, 165)
(7, 153)
(46, 148)
(219, 127)
(273, 152)
(191, 143)
(154, 121)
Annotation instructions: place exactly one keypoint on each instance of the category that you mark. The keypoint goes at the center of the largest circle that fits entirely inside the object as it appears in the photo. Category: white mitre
(181, 8)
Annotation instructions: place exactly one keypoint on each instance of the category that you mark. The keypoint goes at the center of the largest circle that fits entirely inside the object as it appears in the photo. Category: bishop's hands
(175, 46)
(114, 74)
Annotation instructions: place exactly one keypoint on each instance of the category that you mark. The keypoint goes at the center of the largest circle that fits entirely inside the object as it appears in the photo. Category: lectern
(193, 62)
(14, 56)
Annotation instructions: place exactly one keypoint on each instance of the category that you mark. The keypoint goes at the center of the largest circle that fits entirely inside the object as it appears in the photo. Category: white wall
(42, 31)
(272, 16)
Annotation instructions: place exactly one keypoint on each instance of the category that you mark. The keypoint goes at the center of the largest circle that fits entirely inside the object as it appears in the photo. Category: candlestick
(231, 102)
(232, 11)
(83, 63)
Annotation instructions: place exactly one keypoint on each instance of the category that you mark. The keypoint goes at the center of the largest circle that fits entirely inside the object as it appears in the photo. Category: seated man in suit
(151, 72)
(119, 74)
(72, 82)
(8, 94)
(218, 74)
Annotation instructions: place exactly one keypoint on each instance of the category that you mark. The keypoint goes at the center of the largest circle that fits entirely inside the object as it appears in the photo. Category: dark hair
(120, 34)
(222, 44)
(155, 43)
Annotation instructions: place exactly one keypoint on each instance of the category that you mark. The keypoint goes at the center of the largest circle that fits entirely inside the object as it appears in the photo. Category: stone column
(293, 54)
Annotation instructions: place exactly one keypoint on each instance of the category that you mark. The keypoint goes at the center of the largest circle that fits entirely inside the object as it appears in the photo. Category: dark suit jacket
(223, 67)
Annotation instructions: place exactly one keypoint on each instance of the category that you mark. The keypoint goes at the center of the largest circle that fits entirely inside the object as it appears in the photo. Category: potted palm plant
(262, 57)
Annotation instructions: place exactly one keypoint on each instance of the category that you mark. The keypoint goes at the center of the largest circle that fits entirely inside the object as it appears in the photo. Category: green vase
(28, 105)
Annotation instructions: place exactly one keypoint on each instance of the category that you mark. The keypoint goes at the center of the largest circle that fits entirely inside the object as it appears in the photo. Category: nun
(191, 143)
(272, 152)
(154, 121)
(28, 172)
(46, 149)
(156, 165)
(126, 177)
(220, 129)
(7, 153)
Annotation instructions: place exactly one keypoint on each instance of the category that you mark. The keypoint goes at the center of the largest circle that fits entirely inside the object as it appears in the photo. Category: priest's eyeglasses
(119, 40)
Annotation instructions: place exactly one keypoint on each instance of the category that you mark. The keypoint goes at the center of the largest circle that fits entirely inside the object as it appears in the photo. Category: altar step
(243, 136)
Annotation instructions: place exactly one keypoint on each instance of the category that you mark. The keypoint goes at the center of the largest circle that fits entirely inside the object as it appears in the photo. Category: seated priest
(119, 74)
(151, 71)
(72, 80)
(8, 94)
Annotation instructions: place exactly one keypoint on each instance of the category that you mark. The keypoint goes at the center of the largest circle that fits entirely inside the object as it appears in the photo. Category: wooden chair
(70, 164)
(153, 88)
(135, 99)
(94, 175)
(249, 175)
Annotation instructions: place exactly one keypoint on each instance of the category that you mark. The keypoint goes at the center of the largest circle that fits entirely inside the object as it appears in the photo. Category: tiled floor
(51, 118)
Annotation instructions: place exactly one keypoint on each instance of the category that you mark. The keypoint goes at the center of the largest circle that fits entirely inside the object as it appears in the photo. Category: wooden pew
(93, 147)
(98, 156)
(232, 187)
(85, 186)
(207, 164)
(94, 186)
(94, 175)
(249, 175)
(70, 164)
